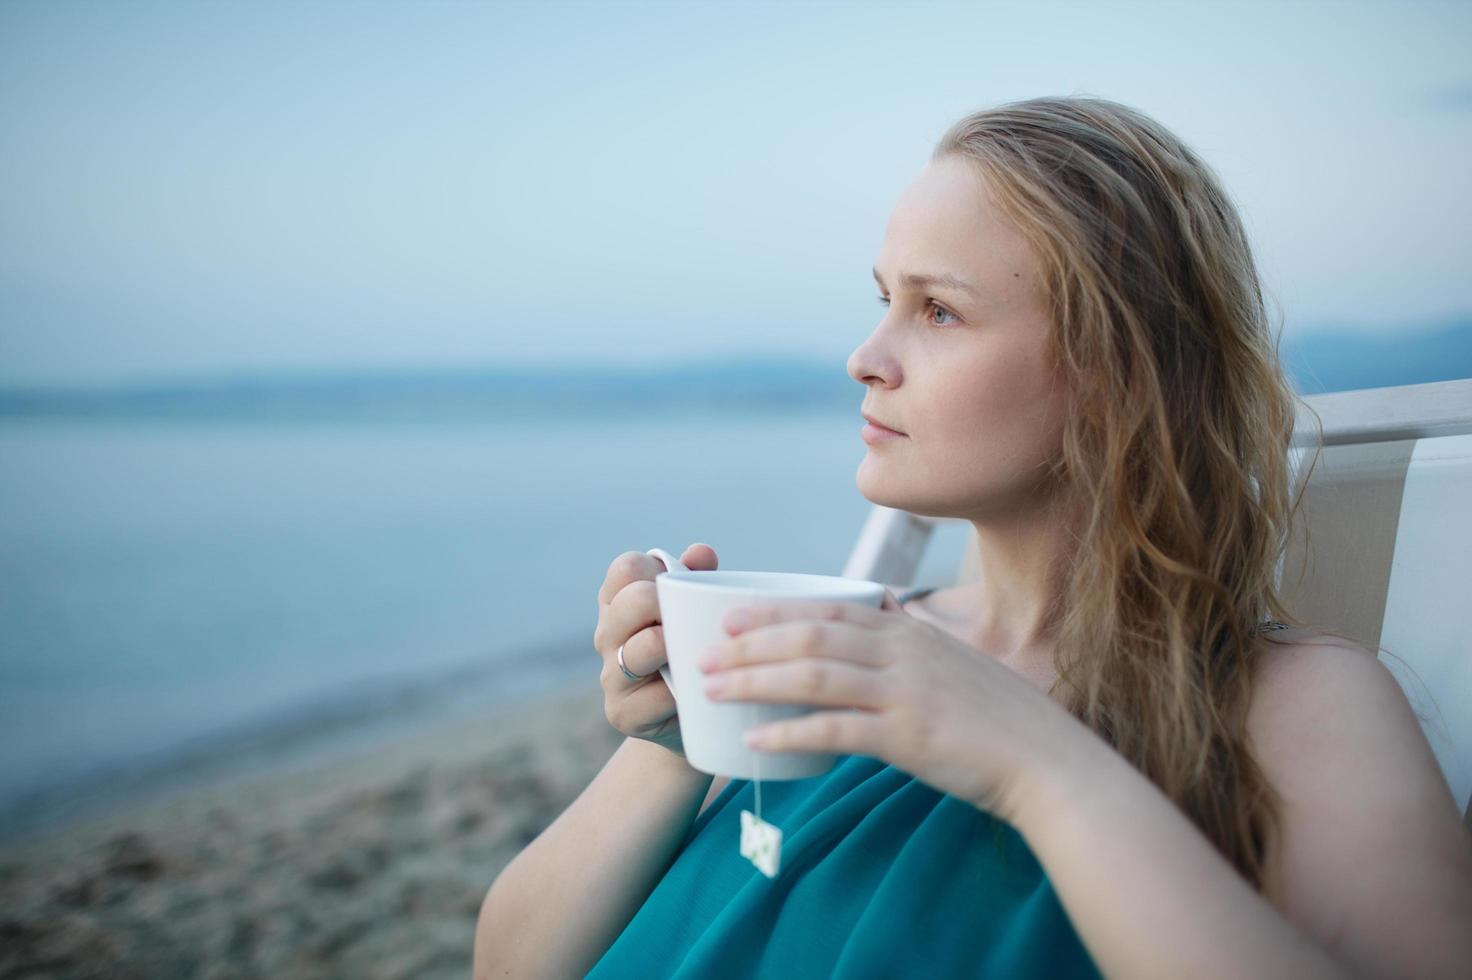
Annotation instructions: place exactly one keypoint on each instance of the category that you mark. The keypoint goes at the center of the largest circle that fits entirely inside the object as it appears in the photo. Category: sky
(213, 188)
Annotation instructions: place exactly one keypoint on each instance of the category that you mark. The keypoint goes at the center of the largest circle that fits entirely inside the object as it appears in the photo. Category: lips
(870, 418)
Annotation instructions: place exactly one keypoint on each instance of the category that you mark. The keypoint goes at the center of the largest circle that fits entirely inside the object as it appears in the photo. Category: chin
(904, 488)
(899, 494)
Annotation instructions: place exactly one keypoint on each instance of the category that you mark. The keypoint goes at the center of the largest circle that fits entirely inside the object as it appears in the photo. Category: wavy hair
(1175, 450)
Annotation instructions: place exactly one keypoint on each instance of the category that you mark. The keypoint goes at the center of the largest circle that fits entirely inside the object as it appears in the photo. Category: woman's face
(967, 375)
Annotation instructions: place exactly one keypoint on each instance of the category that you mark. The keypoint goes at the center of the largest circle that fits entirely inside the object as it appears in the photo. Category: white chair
(1381, 553)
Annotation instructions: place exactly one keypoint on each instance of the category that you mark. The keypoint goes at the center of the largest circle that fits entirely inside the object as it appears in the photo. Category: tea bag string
(761, 842)
(756, 763)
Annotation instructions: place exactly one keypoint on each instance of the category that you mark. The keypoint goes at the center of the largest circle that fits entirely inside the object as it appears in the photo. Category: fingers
(635, 607)
(751, 617)
(631, 566)
(629, 601)
(644, 654)
(632, 620)
(842, 732)
(700, 558)
(806, 638)
(629, 610)
(817, 681)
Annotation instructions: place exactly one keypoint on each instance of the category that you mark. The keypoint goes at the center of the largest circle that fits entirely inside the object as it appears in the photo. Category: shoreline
(370, 863)
(321, 726)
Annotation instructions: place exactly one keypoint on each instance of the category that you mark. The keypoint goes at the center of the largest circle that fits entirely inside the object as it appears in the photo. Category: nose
(872, 362)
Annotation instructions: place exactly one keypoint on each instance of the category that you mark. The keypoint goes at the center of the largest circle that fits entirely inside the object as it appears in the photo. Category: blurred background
(344, 346)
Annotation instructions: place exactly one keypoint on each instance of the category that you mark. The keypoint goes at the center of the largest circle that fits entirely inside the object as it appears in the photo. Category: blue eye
(884, 301)
(942, 309)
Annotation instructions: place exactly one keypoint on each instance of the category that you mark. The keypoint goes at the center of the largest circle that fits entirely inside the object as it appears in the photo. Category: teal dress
(881, 876)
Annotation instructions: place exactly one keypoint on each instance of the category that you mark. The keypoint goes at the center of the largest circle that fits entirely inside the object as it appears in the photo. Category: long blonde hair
(1175, 448)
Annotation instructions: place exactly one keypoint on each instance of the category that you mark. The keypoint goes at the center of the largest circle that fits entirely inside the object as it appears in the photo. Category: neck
(1013, 608)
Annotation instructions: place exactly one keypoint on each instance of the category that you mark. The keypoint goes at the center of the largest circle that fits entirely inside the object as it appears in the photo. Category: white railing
(1441, 408)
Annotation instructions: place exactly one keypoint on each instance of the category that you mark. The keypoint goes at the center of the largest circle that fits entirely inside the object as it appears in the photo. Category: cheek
(1010, 410)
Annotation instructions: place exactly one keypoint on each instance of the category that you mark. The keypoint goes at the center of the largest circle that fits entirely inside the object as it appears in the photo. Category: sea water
(169, 588)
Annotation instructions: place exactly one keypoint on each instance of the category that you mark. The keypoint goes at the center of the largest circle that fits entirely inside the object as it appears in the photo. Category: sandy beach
(368, 866)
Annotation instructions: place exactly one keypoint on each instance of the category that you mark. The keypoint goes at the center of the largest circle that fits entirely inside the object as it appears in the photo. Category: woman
(1106, 756)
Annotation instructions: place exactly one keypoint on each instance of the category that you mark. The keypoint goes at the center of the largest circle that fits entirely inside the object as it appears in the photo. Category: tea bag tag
(761, 842)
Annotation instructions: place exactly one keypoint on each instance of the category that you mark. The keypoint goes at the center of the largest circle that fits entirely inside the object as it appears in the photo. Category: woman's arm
(1371, 877)
(556, 908)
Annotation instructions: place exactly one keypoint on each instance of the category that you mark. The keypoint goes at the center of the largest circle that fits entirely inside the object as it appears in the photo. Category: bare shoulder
(1319, 692)
(1320, 700)
(1301, 671)
(1371, 858)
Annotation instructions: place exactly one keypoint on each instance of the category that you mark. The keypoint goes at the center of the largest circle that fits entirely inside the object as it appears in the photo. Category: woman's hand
(898, 689)
(629, 617)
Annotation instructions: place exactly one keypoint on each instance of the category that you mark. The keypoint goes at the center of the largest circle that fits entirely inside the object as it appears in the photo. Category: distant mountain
(1316, 362)
(747, 385)
(1322, 361)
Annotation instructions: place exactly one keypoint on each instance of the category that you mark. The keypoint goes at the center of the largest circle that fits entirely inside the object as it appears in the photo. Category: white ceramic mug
(692, 605)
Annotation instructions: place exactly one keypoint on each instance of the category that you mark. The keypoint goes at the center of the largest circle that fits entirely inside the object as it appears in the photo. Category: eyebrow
(917, 281)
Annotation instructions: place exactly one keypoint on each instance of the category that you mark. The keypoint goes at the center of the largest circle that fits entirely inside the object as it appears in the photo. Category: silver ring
(625, 667)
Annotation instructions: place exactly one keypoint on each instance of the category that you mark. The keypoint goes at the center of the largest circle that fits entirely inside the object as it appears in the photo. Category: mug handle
(671, 564)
